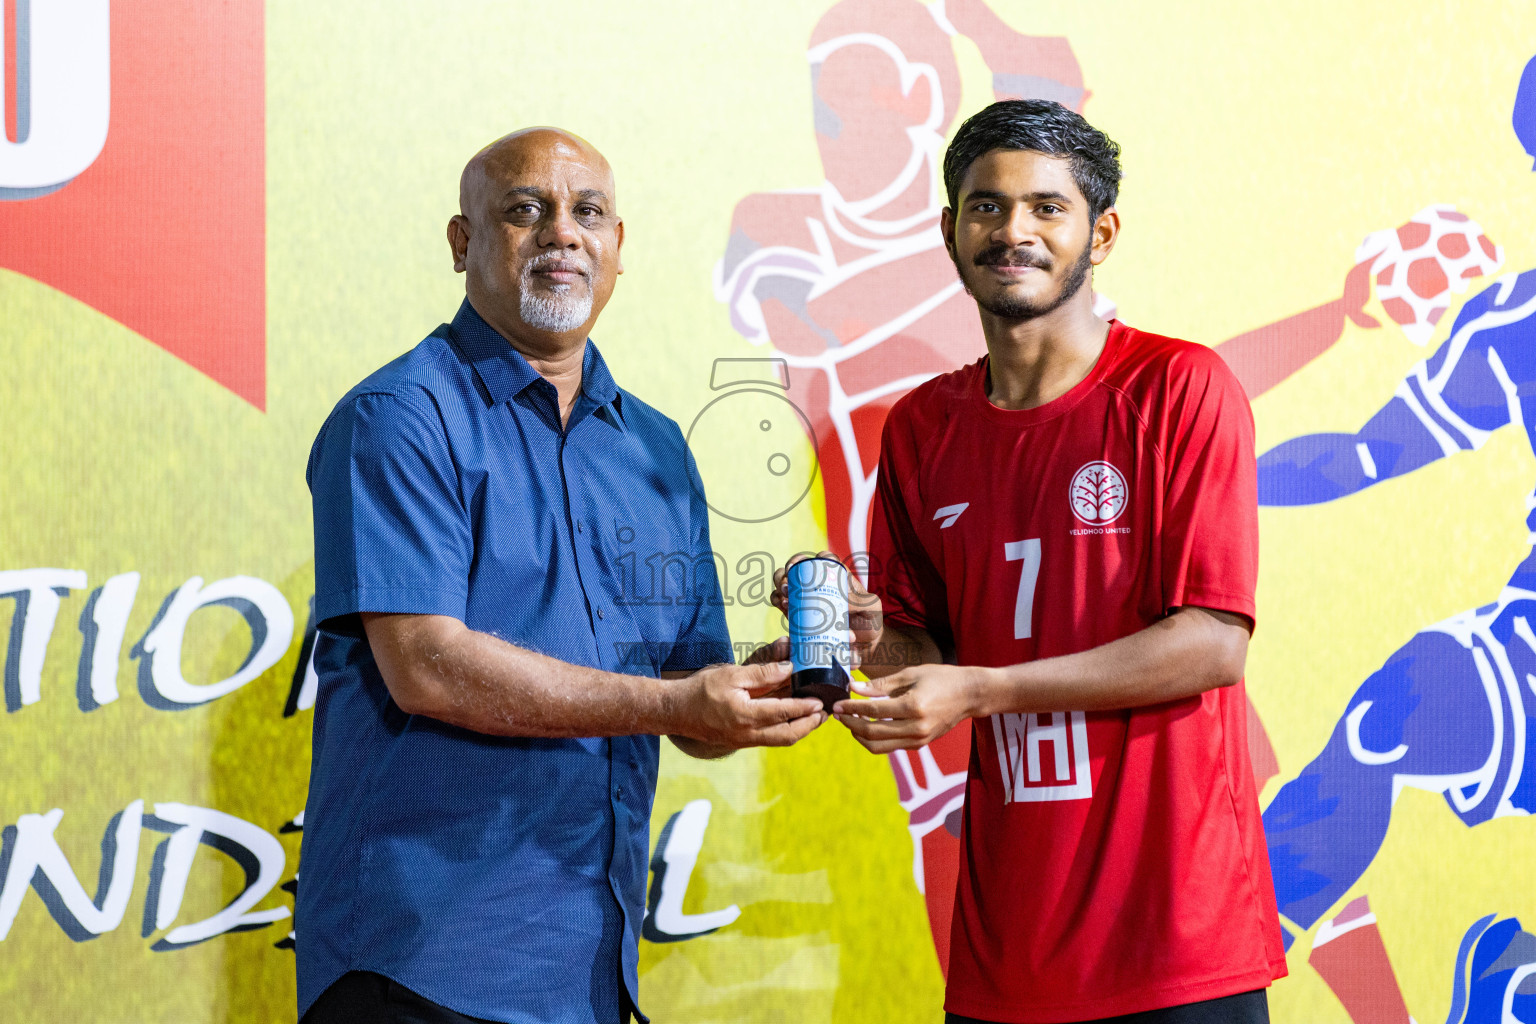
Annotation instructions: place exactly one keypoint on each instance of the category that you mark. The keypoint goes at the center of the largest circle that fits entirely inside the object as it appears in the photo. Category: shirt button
(599, 613)
(618, 794)
(578, 527)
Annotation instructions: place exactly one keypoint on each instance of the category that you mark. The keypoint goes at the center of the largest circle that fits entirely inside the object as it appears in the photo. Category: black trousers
(1245, 1008)
(363, 997)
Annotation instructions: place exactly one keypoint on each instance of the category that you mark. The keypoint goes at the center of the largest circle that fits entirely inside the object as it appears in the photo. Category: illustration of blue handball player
(1495, 980)
(1452, 711)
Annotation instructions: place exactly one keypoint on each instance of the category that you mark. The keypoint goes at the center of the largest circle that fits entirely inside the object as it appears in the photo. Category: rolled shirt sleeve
(392, 533)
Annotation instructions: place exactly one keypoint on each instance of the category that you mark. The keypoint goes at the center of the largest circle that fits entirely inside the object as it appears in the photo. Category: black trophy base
(828, 684)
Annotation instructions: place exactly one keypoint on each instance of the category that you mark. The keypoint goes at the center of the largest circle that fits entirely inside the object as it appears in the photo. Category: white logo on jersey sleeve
(1098, 494)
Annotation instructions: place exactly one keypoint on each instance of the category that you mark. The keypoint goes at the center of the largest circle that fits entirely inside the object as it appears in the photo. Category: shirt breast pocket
(660, 581)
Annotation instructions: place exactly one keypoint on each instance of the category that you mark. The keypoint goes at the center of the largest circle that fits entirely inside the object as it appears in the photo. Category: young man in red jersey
(1064, 549)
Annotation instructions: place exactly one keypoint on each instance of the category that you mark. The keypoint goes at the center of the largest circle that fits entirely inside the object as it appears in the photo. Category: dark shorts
(1246, 1008)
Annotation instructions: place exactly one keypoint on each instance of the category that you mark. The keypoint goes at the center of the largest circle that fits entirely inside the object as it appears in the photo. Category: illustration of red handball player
(1064, 548)
(848, 282)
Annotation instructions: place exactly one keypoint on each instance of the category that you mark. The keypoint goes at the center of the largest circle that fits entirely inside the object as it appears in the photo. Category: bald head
(538, 237)
(509, 157)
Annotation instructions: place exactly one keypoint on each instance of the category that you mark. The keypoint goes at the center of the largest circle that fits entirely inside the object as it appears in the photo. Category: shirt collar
(598, 384)
(504, 372)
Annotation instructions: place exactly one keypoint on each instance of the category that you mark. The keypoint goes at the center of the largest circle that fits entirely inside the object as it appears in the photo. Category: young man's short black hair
(1042, 126)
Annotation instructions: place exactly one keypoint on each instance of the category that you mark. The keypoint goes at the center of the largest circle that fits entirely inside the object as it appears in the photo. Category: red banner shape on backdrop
(165, 231)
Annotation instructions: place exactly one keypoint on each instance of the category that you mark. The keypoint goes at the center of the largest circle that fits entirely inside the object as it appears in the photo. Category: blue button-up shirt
(503, 878)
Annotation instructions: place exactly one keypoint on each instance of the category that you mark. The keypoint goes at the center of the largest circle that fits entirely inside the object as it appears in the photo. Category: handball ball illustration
(755, 449)
(1419, 265)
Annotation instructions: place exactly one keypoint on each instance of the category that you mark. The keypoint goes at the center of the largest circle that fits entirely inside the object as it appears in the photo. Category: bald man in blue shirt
(485, 735)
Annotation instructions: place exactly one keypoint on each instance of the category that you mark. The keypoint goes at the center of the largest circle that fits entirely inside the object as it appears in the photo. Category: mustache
(1000, 255)
(557, 261)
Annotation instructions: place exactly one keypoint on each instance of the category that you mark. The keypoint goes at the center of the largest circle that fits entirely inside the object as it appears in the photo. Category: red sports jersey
(1111, 862)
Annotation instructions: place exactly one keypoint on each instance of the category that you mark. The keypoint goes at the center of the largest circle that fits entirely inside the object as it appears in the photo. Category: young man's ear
(1106, 230)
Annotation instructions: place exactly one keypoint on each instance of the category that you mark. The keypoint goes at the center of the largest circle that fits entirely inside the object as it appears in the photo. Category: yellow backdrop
(1262, 143)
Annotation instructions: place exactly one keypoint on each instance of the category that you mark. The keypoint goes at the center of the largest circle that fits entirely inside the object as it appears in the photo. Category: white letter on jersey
(1056, 735)
(1024, 607)
(1019, 738)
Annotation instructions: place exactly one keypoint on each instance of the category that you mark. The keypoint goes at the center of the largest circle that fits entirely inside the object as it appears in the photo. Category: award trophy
(819, 638)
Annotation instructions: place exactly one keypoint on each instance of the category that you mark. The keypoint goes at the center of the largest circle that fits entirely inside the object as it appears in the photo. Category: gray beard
(557, 311)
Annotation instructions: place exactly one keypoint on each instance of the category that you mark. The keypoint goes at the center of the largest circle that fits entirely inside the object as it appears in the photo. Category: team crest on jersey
(1099, 494)
(1043, 756)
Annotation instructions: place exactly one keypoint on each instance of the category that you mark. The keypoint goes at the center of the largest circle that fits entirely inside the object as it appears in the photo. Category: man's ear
(947, 229)
(618, 250)
(458, 240)
(1105, 232)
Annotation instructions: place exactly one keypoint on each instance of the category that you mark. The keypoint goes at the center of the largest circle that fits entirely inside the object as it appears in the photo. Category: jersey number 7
(1027, 551)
